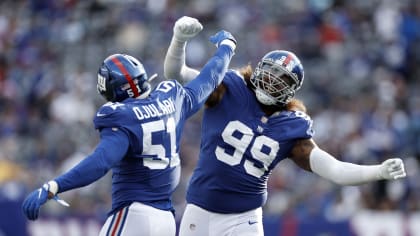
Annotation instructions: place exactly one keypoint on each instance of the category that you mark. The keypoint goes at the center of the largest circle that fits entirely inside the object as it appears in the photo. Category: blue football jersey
(140, 139)
(150, 170)
(240, 146)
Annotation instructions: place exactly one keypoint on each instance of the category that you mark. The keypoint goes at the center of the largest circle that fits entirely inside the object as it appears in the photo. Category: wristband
(229, 42)
(52, 187)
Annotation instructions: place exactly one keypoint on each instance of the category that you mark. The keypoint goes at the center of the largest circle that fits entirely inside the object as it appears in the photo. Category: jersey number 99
(241, 143)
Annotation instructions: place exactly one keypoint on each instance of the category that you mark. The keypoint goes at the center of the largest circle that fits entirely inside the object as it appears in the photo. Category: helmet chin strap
(154, 76)
(148, 87)
(263, 98)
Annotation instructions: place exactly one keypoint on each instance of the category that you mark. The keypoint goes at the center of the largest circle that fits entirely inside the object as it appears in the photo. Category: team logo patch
(101, 83)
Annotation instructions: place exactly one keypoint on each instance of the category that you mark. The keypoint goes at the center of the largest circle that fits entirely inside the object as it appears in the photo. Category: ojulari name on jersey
(163, 107)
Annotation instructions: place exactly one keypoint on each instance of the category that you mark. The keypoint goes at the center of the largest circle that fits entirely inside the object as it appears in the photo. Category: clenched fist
(392, 169)
(186, 27)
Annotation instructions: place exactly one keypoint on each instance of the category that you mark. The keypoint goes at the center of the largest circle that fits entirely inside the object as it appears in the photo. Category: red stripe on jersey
(127, 76)
(116, 225)
(287, 60)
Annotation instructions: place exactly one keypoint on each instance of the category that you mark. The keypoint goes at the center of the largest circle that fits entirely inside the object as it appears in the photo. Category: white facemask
(264, 98)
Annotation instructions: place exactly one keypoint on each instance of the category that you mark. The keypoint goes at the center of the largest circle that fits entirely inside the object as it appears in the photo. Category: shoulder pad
(108, 108)
(166, 85)
(110, 115)
(234, 78)
(306, 119)
(235, 72)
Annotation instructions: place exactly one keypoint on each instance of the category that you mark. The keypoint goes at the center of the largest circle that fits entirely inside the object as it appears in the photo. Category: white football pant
(139, 220)
(199, 222)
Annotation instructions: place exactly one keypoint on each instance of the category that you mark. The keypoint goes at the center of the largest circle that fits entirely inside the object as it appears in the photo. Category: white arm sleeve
(342, 173)
(174, 65)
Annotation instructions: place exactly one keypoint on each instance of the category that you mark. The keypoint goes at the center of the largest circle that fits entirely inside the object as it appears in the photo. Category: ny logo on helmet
(101, 83)
(288, 65)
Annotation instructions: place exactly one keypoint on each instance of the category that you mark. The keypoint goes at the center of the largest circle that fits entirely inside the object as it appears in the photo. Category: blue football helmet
(122, 76)
(277, 77)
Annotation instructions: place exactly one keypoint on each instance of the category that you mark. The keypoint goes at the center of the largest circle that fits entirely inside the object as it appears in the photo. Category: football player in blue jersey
(251, 122)
(140, 132)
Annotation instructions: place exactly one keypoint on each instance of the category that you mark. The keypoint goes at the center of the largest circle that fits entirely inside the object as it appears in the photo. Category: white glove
(392, 169)
(186, 27)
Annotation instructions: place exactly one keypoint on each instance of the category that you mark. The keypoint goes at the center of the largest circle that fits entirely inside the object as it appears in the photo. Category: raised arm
(212, 73)
(309, 156)
(174, 65)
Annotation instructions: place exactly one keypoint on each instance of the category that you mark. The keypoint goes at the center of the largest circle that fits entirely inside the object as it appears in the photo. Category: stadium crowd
(361, 61)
